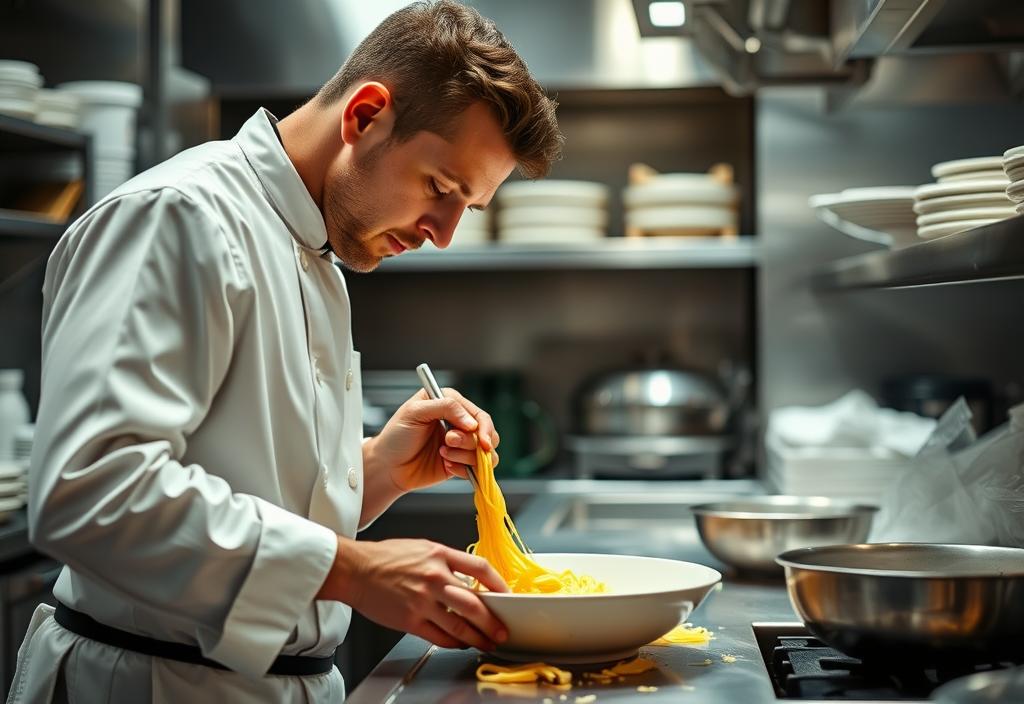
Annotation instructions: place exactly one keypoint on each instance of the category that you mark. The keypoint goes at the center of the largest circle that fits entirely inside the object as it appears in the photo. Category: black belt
(88, 627)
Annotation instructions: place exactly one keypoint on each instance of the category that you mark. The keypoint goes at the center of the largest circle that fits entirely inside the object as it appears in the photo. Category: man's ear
(368, 116)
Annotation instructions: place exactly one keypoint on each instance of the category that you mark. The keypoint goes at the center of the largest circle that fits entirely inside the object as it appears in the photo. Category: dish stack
(474, 229)
(552, 212)
(19, 84)
(968, 193)
(108, 110)
(14, 473)
(882, 214)
(1013, 167)
(680, 204)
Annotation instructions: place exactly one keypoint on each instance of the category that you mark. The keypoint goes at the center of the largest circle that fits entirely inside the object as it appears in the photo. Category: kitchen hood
(755, 43)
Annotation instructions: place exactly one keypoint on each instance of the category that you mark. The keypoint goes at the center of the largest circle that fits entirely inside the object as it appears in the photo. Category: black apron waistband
(88, 627)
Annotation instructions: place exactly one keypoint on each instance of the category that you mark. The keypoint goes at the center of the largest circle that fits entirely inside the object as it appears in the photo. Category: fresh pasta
(499, 543)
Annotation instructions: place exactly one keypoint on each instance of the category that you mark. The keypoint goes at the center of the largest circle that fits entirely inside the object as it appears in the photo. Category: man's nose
(441, 226)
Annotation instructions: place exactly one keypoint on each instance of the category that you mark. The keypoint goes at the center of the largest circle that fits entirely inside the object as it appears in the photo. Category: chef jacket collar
(262, 147)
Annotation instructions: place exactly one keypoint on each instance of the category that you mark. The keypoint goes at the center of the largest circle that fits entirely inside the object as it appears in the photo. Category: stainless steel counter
(608, 520)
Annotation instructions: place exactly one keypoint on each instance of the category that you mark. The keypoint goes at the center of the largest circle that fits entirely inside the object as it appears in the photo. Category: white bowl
(554, 234)
(1000, 213)
(942, 229)
(681, 217)
(962, 166)
(994, 199)
(554, 192)
(939, 190)
(647, 597)
(522, 216)
(990, 174)
(675, 189)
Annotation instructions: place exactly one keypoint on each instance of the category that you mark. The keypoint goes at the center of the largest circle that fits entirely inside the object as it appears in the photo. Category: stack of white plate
(13, 487)
(969, 193)
(19, 84)
(552, 212)
(1013, 167)
(108, 110)
(57, 108)
(680, 204)
(883, 214)
(473, 229)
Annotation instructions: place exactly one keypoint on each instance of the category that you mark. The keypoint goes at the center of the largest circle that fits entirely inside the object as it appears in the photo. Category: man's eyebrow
(462, 186)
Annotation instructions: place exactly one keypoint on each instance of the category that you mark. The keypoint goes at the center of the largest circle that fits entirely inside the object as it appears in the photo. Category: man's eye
(437, 189)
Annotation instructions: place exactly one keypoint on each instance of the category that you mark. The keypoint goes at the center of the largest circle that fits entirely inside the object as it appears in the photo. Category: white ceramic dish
(550, 235)
(646, 598)
(12, 488)
(959, 166)
(25, 109)
(681, 217)
(522, 216)
(881, 215)
(938, 190)
(1015, 191)
(1014, 151)
(949, 228)
(995, 199)
(989, 175)
(966, 214)
(676, 189)
(553, 192)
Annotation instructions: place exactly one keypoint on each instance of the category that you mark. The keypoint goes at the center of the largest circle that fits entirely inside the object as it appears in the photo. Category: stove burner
(803, 667)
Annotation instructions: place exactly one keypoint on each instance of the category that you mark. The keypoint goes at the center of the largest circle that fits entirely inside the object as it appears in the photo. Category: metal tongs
(434, 392)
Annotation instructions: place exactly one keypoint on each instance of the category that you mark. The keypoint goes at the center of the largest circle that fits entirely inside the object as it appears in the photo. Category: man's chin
(362, 266)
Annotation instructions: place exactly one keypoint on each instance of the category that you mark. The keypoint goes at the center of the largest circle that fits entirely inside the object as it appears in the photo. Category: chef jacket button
(304, 260)
(353, 478)
(325, 474)
(348, 380)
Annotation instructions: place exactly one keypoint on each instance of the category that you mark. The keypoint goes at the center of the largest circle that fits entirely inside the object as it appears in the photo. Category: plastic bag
(960, 490)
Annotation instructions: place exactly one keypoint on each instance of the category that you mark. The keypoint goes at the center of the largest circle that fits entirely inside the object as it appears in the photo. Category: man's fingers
(428, 631)
(467, 603)
(461, 457)
(456, 626)
(476, 567)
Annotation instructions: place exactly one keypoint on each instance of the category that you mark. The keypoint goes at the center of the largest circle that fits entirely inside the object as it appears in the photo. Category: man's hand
(418, 453)
(411, 586)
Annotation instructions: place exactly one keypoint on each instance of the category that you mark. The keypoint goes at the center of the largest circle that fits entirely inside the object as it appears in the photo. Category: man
(198, 464)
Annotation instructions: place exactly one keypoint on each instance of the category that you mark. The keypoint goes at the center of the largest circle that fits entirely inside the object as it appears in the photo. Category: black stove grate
(803, 667)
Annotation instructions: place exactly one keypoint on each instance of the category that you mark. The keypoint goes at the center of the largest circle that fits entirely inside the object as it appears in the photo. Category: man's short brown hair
(437, 58)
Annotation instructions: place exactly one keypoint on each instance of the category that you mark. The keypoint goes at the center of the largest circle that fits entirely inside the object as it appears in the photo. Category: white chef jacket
(198, 443)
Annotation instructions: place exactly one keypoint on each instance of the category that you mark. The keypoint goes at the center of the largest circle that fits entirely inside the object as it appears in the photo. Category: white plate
(12, 503)
(993, 199)
(647, 597)
(938, 190)
(949, 228)
(990, 175)
(673, 189)
(559, 193)
(959, 166)
(24, 109)
(1015, 191)
(967, 214)
(522, 216)
(550, 235)
(1015, 151)
(680, 217)
(13, 487)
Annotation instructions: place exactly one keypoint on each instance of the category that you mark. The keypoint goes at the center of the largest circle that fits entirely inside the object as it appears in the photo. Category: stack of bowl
(19, 83)
(680, 204)
(969, 193)
(473, 229)
(57, 109)
(552, 212)
(108, 110)
(1013, 167)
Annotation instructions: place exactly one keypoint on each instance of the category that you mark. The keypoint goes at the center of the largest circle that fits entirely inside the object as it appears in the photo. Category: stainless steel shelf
(17, 135)
(991, 253)
(17, 224)
(611, 253)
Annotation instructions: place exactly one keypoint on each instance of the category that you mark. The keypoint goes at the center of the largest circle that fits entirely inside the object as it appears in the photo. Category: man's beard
(348, 216)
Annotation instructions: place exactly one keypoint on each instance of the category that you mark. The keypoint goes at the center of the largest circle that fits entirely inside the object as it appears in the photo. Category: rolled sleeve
(267, 608)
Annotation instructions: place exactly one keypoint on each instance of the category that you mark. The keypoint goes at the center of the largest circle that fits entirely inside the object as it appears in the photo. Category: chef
(199, 464)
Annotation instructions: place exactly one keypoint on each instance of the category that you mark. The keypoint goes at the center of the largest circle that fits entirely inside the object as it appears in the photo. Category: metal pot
(748, 533)
(916, 602)
(645, 402)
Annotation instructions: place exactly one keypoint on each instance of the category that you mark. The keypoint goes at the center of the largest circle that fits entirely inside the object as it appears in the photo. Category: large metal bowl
(916, 602)
(749, 533)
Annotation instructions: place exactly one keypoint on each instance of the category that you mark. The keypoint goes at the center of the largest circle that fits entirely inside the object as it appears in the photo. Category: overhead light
(667, 14)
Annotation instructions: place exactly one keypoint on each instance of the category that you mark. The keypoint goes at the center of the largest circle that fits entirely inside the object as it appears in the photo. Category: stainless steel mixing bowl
(915, 602)
(749, 533)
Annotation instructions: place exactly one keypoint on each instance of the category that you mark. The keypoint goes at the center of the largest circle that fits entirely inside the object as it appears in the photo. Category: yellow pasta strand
(531, 672)
(499, 543)
(685, 634)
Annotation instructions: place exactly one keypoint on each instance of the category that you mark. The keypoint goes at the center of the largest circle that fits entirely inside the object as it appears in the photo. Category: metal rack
(991, 253)
(610, 253)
